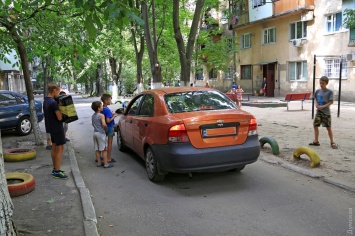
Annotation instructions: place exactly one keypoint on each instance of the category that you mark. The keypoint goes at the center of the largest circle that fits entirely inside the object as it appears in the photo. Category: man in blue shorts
(54, 126)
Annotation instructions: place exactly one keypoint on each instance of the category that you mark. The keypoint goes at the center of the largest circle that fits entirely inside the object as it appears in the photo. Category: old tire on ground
(152, 167)
(19, 154)
(24, 126)
(270, 140)
(311, 153)
(26, 185)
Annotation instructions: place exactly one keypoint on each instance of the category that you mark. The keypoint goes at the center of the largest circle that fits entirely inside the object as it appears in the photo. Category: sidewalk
(55, 207)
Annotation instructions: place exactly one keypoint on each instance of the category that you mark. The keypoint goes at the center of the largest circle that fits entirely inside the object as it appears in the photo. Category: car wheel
(120, 143)
(238, 169)
(24, 126)
(152, 168)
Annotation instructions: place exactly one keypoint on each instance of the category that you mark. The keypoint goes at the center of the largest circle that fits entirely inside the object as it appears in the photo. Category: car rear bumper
(183, 157)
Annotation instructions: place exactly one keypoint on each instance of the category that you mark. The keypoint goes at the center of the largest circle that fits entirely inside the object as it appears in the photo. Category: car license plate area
(219, 130)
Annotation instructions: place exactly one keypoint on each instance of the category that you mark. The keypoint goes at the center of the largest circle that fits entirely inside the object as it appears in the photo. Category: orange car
(188, 129)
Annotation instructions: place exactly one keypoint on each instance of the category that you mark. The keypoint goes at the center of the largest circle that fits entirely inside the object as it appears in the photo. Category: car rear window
(197, 101)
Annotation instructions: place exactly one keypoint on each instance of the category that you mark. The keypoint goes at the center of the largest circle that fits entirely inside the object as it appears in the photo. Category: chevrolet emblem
(220, 121)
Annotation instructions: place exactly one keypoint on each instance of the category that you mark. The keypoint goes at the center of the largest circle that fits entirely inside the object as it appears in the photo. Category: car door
(129, 116)
(141, 123)
(11, 110)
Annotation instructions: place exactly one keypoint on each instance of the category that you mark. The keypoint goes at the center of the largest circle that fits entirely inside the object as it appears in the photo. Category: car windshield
(197, 101)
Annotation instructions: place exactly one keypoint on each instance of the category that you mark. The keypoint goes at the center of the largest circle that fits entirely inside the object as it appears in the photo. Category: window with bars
(298, 30)
(245, 41)
(213, 74)
(333, 22)
(246, 71)
(229, 74)
(269, 36)
(332, 68)
(297, 71)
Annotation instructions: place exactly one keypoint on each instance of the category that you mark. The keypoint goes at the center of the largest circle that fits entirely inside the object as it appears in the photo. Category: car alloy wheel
(24, 126)
(152, 167)
(120, 142)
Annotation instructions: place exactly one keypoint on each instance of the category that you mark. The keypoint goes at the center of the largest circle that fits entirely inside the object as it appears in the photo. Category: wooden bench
(297, 97)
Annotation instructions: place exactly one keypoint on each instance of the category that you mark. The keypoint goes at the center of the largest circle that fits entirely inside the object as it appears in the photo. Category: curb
(90, 219)
(336, 182)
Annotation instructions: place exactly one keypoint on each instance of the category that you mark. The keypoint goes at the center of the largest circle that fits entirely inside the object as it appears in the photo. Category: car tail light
(178, 133)
(253, 127)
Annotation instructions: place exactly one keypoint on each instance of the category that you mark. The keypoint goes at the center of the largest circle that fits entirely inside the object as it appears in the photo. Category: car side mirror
(119, 111)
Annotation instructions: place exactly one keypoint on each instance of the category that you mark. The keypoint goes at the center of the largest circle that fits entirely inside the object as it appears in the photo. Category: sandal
(334, 146)
(314, 143)
(108, 165)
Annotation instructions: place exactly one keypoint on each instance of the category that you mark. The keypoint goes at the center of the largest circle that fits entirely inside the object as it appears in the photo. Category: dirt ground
(294, 128)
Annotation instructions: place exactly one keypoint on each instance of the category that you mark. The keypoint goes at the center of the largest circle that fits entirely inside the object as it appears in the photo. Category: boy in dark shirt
(54, 126)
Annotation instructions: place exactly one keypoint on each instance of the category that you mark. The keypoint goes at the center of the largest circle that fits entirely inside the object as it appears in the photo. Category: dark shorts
(323, 119)
(58, 138)
(110, 132)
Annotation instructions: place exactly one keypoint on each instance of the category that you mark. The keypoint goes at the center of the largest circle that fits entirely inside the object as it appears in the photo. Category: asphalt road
(261, 200)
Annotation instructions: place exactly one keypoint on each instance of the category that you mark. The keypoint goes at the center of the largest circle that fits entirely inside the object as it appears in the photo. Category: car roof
(179, 89)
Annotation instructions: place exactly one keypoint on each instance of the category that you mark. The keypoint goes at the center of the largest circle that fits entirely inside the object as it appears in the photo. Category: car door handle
(146, 124)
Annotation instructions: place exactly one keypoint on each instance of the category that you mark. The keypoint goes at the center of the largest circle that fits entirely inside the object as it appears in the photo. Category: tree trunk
(7, 226)
(115, 76)
(185, 56)
(99, 83)
(152, 45)
(26, 72)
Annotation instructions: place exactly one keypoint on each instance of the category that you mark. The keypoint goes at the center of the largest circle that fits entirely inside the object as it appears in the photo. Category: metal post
(340, 68)
(314, 83)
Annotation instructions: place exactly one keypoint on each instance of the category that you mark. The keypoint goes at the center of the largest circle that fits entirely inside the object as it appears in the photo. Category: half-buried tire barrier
(19, 184)
(19, 154)
(311, 153)
(270, 140)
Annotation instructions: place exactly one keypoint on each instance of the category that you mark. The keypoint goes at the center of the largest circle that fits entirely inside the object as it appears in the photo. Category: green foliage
(349, 21)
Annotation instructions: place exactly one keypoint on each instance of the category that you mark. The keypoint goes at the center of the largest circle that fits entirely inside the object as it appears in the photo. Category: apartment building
(291, 43)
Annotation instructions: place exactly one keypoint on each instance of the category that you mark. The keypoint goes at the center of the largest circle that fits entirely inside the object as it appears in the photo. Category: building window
(332, 68)
(213, 74)
(245, 41)
(297, 71)
(269, 35)
(258, 3)
(246, 71)
(229, 74)
(333, 22)
(298, 30)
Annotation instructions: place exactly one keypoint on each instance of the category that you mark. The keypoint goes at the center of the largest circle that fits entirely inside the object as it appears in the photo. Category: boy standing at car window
(110, 121)
(100, 130)
(53, 123)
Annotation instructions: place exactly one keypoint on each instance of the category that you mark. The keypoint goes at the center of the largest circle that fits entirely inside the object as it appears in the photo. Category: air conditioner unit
(297, 42)
(350, 57)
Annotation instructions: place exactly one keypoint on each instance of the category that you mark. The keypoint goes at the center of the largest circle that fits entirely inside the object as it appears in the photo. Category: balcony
(286, 6)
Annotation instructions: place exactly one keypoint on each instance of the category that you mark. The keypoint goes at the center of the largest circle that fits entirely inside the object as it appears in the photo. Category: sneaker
(49, 147)
(109, 165)
(112, 160)
(59, 175)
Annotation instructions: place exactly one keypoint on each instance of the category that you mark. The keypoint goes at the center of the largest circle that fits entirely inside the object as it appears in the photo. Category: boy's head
(106, 98)
(96, 106)
(323, 82)
(53, 89)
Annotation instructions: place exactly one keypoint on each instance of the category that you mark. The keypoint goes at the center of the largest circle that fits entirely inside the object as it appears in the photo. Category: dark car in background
(15, 112)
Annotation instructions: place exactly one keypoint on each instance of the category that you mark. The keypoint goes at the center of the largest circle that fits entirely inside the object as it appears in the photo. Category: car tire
(26, 185)
(19, 154)
(120, 143)
(238, 169)
(152, 167)
(24, 126)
